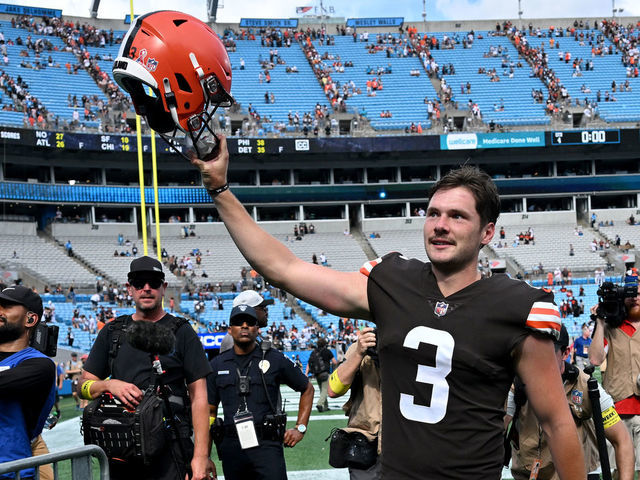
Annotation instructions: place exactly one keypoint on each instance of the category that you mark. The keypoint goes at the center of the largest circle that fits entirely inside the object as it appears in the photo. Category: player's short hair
(480, 185)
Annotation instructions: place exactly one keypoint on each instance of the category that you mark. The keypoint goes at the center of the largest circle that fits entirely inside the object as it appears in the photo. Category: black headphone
(32, 318)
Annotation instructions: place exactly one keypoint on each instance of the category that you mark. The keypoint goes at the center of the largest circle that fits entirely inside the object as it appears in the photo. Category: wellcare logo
(462, 141)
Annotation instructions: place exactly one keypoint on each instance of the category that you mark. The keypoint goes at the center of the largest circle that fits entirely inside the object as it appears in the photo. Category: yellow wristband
(211, 420)
(336, 385)
(610, 417)
(85, 390)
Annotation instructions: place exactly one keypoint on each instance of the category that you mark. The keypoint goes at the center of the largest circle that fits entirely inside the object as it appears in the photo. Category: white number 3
(436, 376)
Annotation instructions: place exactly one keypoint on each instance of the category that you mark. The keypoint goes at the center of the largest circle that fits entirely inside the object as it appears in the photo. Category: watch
(301, 428)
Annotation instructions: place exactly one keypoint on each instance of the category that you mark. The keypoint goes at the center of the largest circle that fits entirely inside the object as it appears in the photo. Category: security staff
(530, 451)
(126, 372)
(247, 379)
(27, 377)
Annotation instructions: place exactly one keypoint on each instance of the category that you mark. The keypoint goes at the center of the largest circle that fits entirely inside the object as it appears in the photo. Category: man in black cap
(247, 379)
(27, 377)
(125, 372)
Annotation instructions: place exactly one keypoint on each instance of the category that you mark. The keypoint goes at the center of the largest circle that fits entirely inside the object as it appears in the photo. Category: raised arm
(536, 365)
(340, 293)
(342, 378)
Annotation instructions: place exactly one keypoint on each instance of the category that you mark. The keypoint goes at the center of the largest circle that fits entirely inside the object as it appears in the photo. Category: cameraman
(126, 372)
(27, 377)
(360, 372)
(530, 444)
(619, 344)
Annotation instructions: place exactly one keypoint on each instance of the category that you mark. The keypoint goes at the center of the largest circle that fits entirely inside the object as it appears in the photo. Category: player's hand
(127, 393)
(291, 437)
(202, 468)
(366, 339)
(213, 167)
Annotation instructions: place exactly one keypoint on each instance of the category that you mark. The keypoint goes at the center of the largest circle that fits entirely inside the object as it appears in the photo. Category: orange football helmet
(186, 66)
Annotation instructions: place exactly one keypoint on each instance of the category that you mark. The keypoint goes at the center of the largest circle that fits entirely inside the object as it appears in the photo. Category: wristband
(85, 390)
(336, 385)
(214, 192)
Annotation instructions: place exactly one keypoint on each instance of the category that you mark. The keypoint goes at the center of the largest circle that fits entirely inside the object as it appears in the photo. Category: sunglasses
(239, 320)
(139, 283)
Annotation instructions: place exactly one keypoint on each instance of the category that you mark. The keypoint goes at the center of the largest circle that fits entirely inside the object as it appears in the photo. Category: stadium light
(520, 12)
(424, 10)
(382, 194)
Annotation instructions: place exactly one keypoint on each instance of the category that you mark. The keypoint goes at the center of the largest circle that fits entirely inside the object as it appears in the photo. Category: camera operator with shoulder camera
(27, 376)
(616, 338)
(360, 373)
(134, 359)
(246, 379)
(530, 453)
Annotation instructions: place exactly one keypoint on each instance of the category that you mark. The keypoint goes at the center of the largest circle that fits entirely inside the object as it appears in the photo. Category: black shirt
(30, 382)
(186, 364)
(222, 383)
(446, 366)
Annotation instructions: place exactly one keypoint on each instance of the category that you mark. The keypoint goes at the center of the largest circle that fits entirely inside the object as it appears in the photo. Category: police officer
(247, 379)
(126, 372)
(531, 452)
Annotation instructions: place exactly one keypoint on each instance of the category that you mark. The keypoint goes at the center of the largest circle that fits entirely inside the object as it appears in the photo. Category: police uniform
(447, 367)
(265, 461)
(532, 443)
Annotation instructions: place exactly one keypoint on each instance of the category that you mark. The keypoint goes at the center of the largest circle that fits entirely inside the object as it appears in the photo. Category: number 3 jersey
(446, 366)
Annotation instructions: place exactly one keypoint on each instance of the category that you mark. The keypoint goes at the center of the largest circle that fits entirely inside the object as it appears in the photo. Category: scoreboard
(118, 143)
(585, 137)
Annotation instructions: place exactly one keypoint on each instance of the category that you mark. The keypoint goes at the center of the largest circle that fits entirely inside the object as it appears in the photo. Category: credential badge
(441, 309)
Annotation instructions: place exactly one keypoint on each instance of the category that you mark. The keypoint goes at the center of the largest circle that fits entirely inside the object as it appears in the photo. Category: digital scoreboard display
(585, 137)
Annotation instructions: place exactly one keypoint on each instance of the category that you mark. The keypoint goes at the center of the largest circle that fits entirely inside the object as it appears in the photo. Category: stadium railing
(81, 465)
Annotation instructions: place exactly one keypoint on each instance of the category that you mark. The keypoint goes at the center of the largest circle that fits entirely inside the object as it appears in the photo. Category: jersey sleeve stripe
(543, 325)
(367, 267)
(544, 311)
(544, 317)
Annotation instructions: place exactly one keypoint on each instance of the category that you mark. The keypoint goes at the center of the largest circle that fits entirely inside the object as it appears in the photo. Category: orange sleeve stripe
(545, 311)
(541, 324)
(364, 271)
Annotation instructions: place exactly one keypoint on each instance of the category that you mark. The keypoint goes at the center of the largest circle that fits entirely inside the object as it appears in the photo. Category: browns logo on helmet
(186, 66)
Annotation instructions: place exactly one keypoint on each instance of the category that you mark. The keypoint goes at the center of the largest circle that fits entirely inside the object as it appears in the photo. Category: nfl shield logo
(576, 397)
(441, 308)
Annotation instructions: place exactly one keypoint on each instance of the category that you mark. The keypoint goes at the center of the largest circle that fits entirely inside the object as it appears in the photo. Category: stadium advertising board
(585, 137)
(269, 22)
(31, 11)
(375, 22)
(211, 341)
(473, 141)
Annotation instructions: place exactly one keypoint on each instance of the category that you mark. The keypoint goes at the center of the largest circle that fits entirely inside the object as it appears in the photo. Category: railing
(81, 464)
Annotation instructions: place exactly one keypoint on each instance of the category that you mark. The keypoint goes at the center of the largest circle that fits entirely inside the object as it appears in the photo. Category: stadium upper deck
(436, 75)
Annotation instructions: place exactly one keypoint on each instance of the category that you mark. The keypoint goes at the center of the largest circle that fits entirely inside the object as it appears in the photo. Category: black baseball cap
(242, 311)
(145, 266)
(24, 296)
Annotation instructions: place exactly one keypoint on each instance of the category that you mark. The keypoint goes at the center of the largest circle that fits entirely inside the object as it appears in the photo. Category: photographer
(27, 377)
(530, 443)
(246, 379)
(618, 341)
(126, 372)
(360, 373)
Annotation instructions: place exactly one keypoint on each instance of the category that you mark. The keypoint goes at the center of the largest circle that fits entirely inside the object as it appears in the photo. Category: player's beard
(10, 332)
